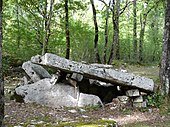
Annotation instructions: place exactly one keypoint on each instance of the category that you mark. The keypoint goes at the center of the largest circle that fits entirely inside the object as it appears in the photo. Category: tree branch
(123, 9)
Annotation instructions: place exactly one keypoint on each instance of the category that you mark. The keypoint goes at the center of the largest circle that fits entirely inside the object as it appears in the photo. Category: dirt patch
(20, 114)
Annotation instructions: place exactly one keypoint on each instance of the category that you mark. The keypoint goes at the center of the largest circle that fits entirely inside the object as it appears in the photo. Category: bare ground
(32, 114)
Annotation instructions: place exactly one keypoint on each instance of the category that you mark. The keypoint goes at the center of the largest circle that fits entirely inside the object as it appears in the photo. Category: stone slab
(94, 72)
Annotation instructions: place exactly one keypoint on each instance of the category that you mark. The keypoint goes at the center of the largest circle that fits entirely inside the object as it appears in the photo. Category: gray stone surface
(140, 104)
(77, 77)
(123, 99)
(138, 99)
(34, 71)
(72, 82)
(99, 83)
(132, 93)
(45, 92)
(89, 99)
(95, 72)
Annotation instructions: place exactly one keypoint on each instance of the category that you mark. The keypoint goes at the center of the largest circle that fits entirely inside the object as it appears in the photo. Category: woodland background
(129, 31)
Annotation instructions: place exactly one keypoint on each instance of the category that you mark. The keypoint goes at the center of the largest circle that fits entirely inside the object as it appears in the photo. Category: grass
(144, 124)
(147, 71)
(99, 123)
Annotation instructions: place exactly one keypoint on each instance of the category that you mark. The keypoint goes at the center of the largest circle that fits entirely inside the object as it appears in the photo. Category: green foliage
(92, 107)
(24, 33)
(118, 63)
(155, 100)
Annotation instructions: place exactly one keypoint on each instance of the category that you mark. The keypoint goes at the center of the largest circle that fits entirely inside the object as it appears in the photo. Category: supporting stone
(140, 104)
(138, 99)
(77, 77)
(89, 99)
(35, 72)
(45, 92)
(132, 93)
(123, 99)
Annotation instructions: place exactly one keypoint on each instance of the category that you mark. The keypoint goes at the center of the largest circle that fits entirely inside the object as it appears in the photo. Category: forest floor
(33, 115)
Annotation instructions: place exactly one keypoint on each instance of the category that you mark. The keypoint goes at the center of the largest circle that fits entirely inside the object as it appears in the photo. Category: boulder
(95, 72)
(35, 72)
(45, 92)
(89, 99)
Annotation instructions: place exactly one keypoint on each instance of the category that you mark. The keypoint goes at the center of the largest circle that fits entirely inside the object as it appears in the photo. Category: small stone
(143, 93)
(112, 108)
(40, 122)
(31, 126)
(84, 116)
(91, 81)
(82, 110)
(138, 99)
(122, 70)
(123, 98)
(77, 77)
(118, 88)
(72, 111)
(150, 110)
(6, 116)
(140, 104)
(132, 93)
(89, 99)
(128, 115)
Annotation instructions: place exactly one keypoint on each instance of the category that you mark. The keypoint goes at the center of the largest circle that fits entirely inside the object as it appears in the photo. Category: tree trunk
(141, 39)
(47, 22)
(142, 31)
(165, 63)
(67, 30)
(134, 32)
(106, 32)
(18, 24)
(115, 20)
(97, 56)
(117, 29)
(1, 73)
(45, 41)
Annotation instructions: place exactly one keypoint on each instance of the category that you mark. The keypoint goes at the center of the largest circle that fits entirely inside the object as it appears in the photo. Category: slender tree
(116, 12)
(1, 72)
(18, 24)
(67, 30)
(134, 32)
(112, 52)
(165, 63)
(97, 57)
(143, 20)
(106, 32)
(47, 22)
